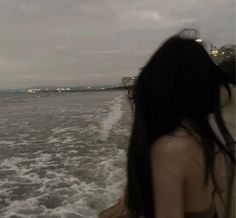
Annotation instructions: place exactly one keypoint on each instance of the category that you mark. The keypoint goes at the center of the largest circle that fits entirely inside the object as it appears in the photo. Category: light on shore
(199, 40)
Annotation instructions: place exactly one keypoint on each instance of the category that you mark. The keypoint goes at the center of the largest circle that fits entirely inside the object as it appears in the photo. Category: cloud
(10, 65)
(105, 52)
(75, 40)
(147, 15)
(26, 76)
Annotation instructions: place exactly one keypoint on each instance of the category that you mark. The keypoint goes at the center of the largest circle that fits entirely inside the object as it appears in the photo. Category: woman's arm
(168, 160)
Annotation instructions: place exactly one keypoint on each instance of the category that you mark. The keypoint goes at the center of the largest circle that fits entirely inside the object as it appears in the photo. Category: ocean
(62, 154)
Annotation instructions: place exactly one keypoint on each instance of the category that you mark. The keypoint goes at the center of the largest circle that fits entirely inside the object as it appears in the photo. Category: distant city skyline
(75, 42)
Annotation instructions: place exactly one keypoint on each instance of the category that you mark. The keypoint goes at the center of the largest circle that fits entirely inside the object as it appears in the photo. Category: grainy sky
(88, 42)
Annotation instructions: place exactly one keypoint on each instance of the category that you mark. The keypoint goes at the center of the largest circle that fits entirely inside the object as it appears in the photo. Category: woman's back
(188, 167)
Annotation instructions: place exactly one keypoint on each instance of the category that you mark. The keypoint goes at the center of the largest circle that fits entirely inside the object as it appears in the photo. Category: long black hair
(179, 82)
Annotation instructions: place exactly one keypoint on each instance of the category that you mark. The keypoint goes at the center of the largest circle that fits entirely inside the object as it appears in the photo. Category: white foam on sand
(114, 115)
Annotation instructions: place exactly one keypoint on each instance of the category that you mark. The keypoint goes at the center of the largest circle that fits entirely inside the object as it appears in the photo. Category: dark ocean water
(63, 154)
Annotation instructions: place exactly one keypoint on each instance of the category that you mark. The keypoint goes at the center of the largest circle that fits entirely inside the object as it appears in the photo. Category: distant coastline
(34, 90)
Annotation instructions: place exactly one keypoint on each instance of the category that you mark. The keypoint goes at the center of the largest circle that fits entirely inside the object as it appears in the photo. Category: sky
(97, 42)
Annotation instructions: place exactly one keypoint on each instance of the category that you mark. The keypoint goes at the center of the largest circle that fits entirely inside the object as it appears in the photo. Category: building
(226, 52)
(128, 82)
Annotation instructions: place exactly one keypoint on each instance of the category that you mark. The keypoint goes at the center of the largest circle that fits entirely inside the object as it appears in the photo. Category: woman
(174, 156)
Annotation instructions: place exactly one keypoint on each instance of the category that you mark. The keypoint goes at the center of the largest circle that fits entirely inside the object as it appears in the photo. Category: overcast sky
(86, 42)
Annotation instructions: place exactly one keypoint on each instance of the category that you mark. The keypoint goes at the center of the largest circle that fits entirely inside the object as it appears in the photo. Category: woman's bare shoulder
(178, 142)
(173, 150)
(171, 154)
